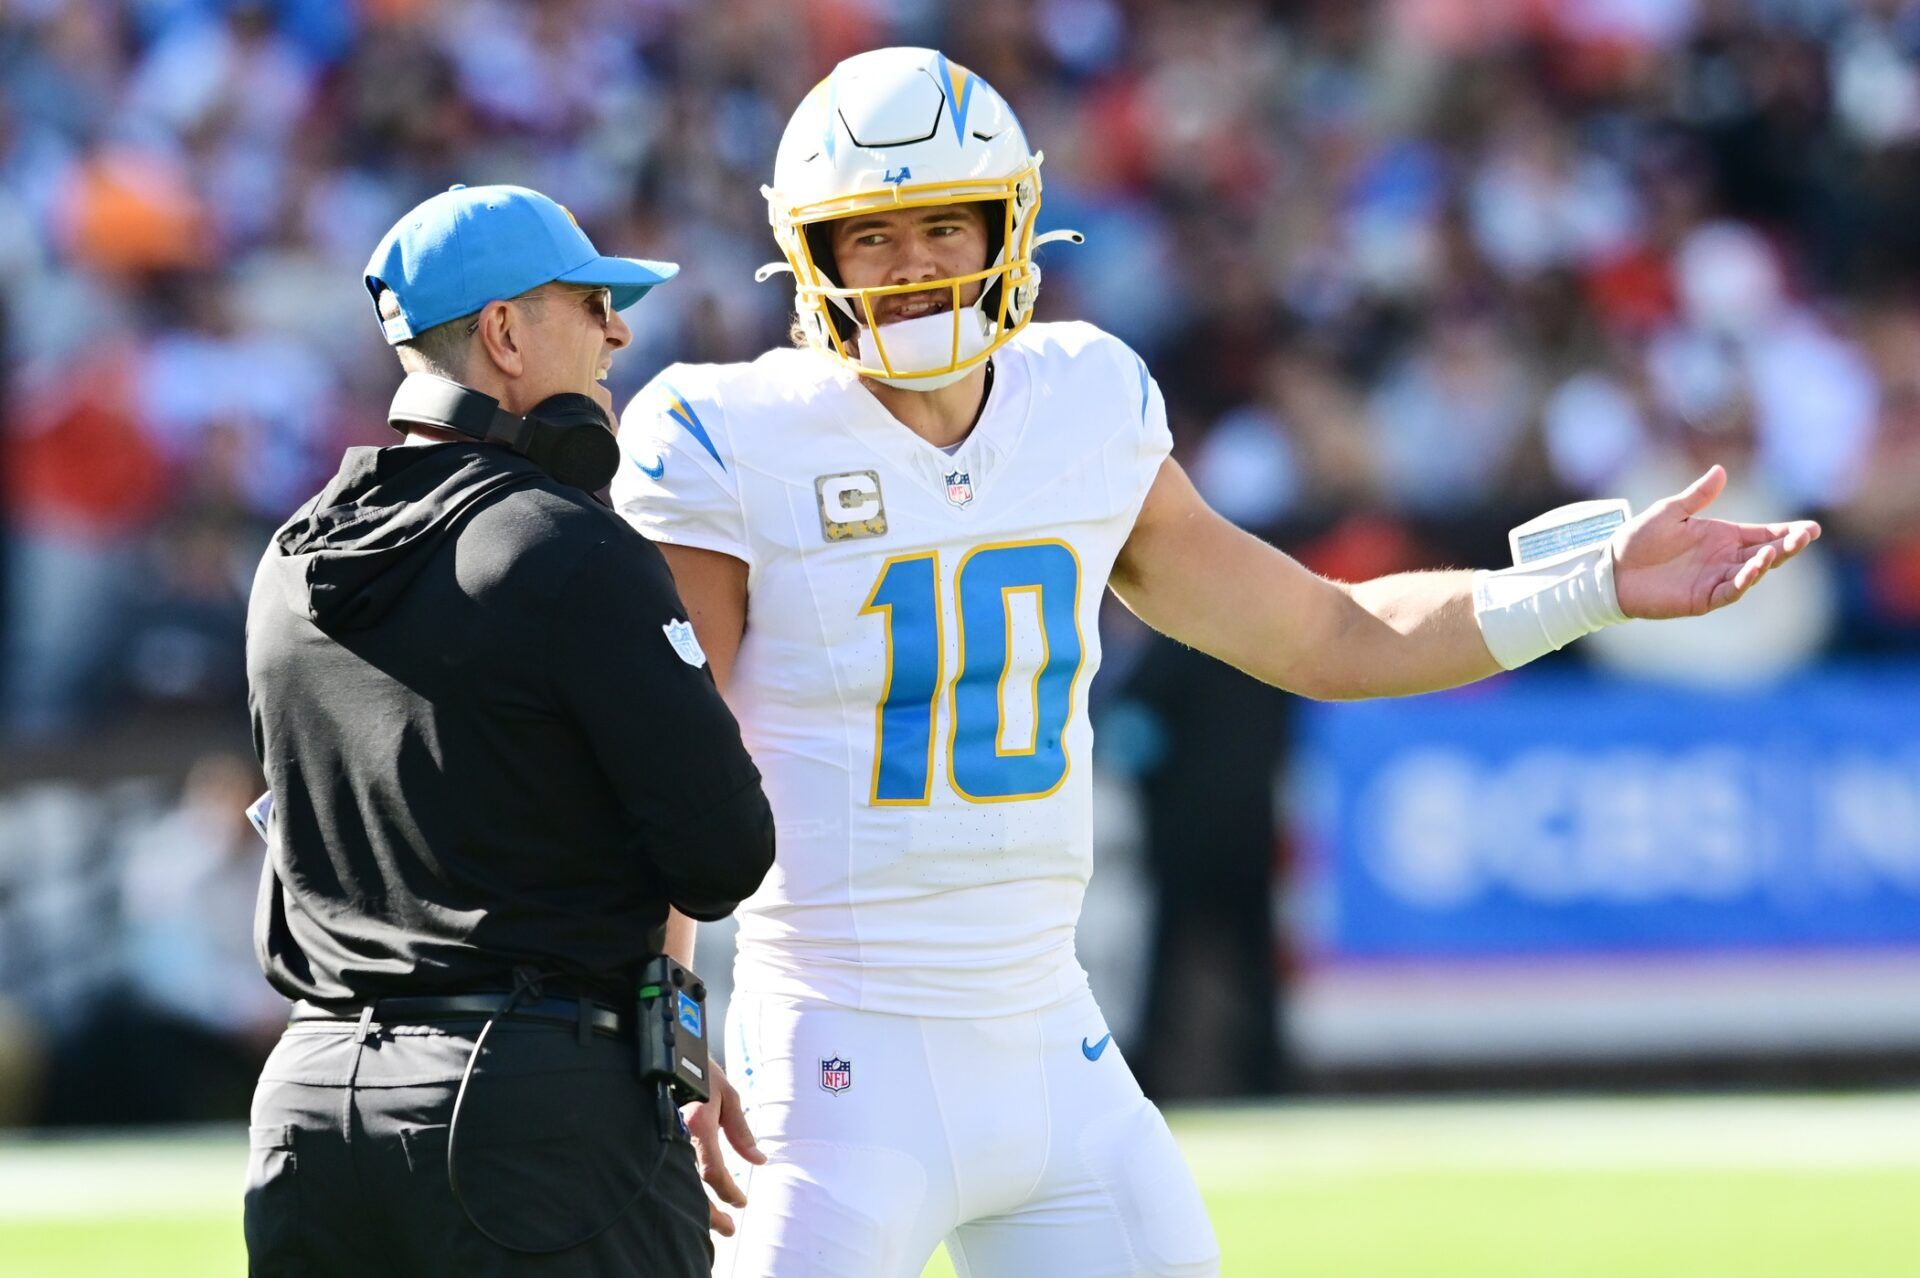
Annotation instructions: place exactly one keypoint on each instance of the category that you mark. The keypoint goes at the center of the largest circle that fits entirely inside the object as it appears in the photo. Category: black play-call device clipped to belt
(671, 1031)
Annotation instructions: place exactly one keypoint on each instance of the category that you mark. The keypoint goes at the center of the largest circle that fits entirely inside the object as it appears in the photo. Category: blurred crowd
(1407, 271)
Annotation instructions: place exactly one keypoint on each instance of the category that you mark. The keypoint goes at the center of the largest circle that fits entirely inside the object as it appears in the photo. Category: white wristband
(1525, 613)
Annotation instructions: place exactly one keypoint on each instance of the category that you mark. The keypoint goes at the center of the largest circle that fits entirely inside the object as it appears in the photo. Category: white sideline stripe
(1731, 1134)
(1590, 1010)
(90, 1177)
(1231, 1148)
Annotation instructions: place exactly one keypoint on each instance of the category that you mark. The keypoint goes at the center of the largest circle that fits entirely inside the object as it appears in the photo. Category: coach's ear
(501, 338)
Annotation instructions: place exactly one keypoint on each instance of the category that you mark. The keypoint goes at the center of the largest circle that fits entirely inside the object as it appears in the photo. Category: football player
(893, 539)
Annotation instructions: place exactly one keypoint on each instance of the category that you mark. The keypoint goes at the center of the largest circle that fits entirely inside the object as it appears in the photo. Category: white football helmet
(896, 129)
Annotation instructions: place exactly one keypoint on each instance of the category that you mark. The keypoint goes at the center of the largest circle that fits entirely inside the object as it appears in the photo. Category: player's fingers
(1794, 538)
(713, 1170)
(702, 1118)
(1783, 548)
(703, 1126)
(1787, 547)
(740, 1134)
(1794, 534)
(1739, 578)
(1754, 534)
(718, 1221)
(1755, 568)
(1698, 495)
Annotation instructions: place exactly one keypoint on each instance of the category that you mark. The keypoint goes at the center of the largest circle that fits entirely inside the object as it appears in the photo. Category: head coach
(495, 757)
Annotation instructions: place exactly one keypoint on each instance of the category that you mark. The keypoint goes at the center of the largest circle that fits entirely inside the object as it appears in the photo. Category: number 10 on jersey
(981, 766)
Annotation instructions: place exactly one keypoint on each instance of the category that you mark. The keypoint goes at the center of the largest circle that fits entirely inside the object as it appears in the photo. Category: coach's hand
(706, 1120)
(1671, 561)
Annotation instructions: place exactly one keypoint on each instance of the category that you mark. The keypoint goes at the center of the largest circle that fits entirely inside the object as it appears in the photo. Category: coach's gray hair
(442, 350)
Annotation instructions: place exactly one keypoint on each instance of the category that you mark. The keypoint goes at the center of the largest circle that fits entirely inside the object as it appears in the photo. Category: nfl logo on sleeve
(836, 1075)
(686, 645)
(959, 487)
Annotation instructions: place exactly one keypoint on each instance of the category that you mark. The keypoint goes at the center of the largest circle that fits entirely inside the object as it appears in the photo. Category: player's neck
(942, 417)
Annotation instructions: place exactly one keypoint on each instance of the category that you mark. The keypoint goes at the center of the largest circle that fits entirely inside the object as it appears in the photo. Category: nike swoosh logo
(1092, 1050)
(654, 471)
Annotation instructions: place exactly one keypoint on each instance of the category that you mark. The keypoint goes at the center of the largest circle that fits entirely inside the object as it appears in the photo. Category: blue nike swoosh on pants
(1092, 1050)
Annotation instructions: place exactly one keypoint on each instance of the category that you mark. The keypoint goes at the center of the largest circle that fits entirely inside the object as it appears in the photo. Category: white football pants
(1022, 1141)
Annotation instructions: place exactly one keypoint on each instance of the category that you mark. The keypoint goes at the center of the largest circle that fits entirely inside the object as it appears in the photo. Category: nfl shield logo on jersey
(959, 487)
(836, 1075)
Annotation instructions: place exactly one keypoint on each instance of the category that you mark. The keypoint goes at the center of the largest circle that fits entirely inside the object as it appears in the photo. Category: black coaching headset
(568, 435)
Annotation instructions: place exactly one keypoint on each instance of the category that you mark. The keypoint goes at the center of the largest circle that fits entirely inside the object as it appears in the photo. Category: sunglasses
(597, 298)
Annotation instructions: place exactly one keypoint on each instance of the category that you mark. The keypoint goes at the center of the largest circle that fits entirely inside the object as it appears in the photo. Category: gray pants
(347, 1175)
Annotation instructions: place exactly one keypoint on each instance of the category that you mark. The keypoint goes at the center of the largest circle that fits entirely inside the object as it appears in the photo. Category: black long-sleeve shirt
(484, 745)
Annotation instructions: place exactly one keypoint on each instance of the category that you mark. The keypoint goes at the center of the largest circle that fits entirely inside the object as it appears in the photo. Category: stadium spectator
(181, 1036)
(1432, 229)
(1478, 234)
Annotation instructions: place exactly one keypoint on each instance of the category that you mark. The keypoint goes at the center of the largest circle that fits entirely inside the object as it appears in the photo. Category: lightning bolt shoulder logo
(680, 410)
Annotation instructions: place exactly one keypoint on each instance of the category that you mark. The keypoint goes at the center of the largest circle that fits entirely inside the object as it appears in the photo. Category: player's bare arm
(1192, 575)
(713, 587)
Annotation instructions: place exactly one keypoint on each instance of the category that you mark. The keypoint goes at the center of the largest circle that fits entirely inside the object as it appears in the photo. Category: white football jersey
(922, 628)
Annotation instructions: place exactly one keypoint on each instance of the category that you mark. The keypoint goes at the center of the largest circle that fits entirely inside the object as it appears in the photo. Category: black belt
(420, 1009)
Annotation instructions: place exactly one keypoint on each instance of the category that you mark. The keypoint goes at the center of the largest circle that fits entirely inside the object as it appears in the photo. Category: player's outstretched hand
(706, 1120)
(1673, 562)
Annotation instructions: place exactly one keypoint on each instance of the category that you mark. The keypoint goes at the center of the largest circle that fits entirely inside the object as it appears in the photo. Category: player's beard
(925, 342)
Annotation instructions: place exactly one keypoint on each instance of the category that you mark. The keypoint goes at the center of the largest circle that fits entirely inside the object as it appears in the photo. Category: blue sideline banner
(1563, 814)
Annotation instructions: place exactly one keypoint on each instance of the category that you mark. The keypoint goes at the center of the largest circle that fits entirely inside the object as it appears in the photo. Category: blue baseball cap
(470, 245)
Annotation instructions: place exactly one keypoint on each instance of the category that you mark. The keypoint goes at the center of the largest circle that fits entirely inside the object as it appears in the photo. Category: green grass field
(1771, 1187)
